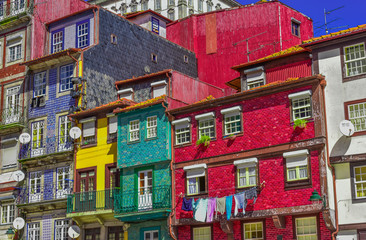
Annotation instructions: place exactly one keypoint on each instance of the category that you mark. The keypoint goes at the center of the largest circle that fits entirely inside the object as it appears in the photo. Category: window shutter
(9, 150)
(112, 124)
(159, 91)
(297, 161)
(89, 129)
(249, 162)
(198, 172)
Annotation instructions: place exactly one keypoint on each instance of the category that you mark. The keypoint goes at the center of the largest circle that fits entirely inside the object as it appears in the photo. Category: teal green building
(143, 158)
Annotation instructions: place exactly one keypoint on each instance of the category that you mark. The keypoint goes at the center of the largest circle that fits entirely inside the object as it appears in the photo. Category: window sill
(183, 145)
(309, 119)
(149, 139)
(360, 133)
(354, 77)
(358, 200)
(88, 145)
(298, 36)
(133, 142)
(235, 135)
(197, 195)
(242, 189)
(298, 184)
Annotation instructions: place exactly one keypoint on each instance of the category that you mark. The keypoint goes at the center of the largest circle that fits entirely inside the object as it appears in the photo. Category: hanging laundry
(251, 193)
(229, 205)
(220, 205)
(187, 204)
(211, 206)
(239, 202)
(200, 210)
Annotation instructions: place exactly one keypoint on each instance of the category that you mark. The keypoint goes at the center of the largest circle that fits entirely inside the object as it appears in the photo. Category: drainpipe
(173, 178)
(323, 84)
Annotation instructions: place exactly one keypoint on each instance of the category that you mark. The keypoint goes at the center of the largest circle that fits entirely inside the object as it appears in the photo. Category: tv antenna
(325, 19)
(247, 41)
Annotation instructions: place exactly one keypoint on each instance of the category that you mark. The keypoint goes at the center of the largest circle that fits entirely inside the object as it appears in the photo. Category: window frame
(181, 122)
(206, 117)
(199, 192)
(298, 183)
(87, 22)
(62, 30)
(38, 228)
(300, 95)
(241, 164)
(353, 165)
(95, 120)
(150, 229)
(17, 53)
(45, 84)
(232, 110)
(297, 23)
(8, 220)
(353, 60)
(138, 130)
(251, 222)
(317, 218)
(70, 81)
(201, 226)
(342, 57)
(65, 226)
(147, 127)
(110, 137)
(346, 113)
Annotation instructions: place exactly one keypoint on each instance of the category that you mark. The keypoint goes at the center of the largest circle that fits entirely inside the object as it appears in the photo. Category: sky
(352, 14)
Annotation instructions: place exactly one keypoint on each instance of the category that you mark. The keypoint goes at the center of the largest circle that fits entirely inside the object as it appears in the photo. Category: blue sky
(352, 14)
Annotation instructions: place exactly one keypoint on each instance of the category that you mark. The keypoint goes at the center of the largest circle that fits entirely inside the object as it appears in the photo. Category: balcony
(45, 146)
(143, 204)
(10, 11)
(34, 198)
(11, 119)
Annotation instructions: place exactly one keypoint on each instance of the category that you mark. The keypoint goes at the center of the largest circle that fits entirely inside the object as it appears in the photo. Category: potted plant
(301, 123)
(205, 140)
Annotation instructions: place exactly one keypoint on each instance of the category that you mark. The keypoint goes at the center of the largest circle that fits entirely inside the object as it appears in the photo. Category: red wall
(46, 11)
(292, 70)
(233, 26)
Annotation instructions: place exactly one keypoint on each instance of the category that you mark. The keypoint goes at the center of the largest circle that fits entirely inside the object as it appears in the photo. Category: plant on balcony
(300, 123)
(204, 140)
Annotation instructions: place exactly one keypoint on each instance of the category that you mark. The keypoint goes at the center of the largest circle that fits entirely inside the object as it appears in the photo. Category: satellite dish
(24, 138)
(347, 128)
(18, 176)
(75, 132)
(74, 231)
(18, 223)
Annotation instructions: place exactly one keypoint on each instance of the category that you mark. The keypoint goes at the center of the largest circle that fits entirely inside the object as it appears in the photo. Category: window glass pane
(82, 34)
(66, 74)
(301, 108)
(207, 128)
(134, 130)
(183, 135)
(232, 124)
(253, 230)
(39, 84)
(355, 60)
(360, 181)
(306, 228)
(151, 127)
(202, 233)
(192, 186)
(357, 115)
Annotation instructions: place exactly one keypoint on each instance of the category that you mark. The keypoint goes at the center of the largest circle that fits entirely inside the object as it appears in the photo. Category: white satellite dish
(18, 176)
(18, 223)
(74, 231)
(24, 138)
(75, 132)
(347, 128)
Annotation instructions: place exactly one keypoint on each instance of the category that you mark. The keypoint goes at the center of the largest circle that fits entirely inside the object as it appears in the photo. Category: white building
(172, 9)
(341, 58)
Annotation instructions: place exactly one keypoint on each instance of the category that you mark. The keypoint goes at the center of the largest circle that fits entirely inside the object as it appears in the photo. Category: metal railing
(45, 146)
(12, 8)
(144, 199)
(12, 115)
(90, 201)
(34, 193)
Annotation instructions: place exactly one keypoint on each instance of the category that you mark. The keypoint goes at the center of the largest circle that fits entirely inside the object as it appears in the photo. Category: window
(157, 4)
(171, 14)
(15, 52)
(296, 165)
(306, 228)
(171, 3)
(63, 178)
(57, 41)
(196, 179)
(295, 27)
(151, 235)
(255, 77)
(200, 5)
(88, 130)
(113, 39)
(61, 227)
(206, 125)
(152, 126)
(182, 10)
(126, 93)
(253, 231)
(134, 130)
(202, 233)
(64, 142)
(83, 34)
(357, 115)
(112, 127)
(115, 233)
(17, 6)
(66, 74)
(232, 120)
(12, 110)
(37, 147)
(355, 59)
(158, 88)
(246, 172)
(185, 58)
(154, 58)
(33, 231)
(35, 186)
(182, 131)
(123, 8)
(144, 5)
(360, 181)
(7, 214)
(9, 151)
(39, 84)
(300, 105)
(145, 189)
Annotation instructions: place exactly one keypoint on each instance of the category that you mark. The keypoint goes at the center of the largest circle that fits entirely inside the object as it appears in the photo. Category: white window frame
(151, 234)
(157, 4)
(126, 93)
(200, 5)
(195, 172)
(206, 124)
(63, 182)
(134, 130)
(57, 41)
(297, 161)
(157, 87)
(81, 29)
(34, 232)
(15, 52)
(228, 113)
(8, 213)
(358, 61)
(362, 182)
(255, 77)
(304, 96)
(245, 165)
(253, 230)
(196, 230)
(357, 117)
(152, 127)
(300, 236)
(39, 84)
(182, 131)
(66, 74)
(61, 227)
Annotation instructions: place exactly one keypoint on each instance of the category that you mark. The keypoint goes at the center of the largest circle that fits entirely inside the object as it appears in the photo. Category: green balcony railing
(144, 199)
(90, 201)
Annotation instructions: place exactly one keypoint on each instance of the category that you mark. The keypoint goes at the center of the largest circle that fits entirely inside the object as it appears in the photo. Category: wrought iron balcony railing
(90, 201)
(144, 199)
(45, 146)
(36, 193)
(12, 8)
(12, 115)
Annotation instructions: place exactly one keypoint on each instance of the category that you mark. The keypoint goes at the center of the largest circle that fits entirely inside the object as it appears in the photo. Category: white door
(63, 134)
(35, 194)
(63, 178)
(145, 190)
(37, 139)
(12, 110)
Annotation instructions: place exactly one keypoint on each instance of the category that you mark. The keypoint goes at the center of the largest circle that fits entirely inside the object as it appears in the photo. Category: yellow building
(96, 175)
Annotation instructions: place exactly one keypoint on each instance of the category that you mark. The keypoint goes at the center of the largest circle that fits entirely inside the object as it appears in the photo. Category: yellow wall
(100, 155)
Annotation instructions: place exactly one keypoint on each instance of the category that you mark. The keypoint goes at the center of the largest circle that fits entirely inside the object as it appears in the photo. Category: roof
(331, 36)
(248, 94)
(143, 77)
(72, 14)
(51, 56)
(147, 103)
(235, 84)
(281, 54)
(109, 106)
(135, 14)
